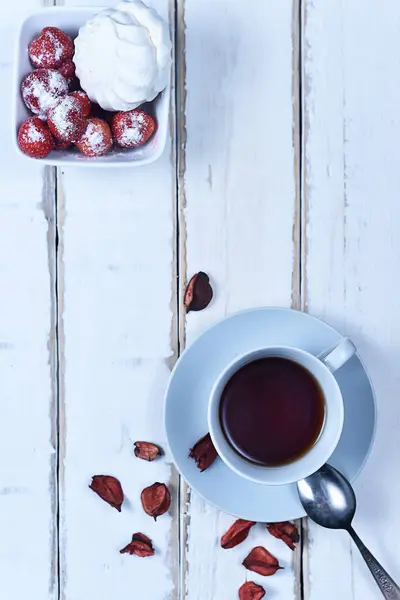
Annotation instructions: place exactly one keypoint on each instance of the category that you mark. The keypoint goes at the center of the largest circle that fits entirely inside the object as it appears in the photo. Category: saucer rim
(229, 317)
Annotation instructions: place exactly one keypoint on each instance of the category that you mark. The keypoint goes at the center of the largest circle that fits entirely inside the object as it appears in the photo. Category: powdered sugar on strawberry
(66, 121)
(33, 133)
(42, 89)
(55, 51)
(97, 139)
(132, 134)
(34, 138)
(132, 128)
(50, 48)
(84, 100)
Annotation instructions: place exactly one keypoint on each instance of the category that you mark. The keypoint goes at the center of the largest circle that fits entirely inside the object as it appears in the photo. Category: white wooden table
(281, 180)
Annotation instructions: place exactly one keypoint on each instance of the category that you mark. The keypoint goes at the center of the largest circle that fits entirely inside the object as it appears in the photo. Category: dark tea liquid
(272, 411)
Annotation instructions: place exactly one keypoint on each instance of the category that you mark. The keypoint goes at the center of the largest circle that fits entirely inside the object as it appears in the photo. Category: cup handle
(334, 358)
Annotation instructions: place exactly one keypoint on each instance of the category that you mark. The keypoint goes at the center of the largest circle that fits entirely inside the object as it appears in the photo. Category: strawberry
(66, 121)
(50, 48)
(84, 100)
(132, 128)
(34, 138)
(61, 145)
(67, 70)
(97, 139)
(42, 89)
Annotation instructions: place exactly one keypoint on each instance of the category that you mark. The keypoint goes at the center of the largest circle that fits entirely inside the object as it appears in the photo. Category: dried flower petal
(199, 293)
(261, 561)
(251, 591)
(147, 451)
(203, 452)
(156, 499)
(285, 531)
(109, 489)
(236, 533)
(140, 545)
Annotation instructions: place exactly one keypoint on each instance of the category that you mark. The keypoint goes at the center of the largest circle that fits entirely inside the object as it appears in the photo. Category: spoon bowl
(329, 500)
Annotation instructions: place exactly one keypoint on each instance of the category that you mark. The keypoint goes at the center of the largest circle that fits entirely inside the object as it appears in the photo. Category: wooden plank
(352, 216)
(28, 438)
(238, 213)
(118, 343)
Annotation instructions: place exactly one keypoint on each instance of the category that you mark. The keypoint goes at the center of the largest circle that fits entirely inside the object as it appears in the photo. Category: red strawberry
(67, 70)
(34, 138)
(97, 139)
(66, 121)
(60, 144)
(132, 128)
(84, 100)
(50, 48)
(42, 89)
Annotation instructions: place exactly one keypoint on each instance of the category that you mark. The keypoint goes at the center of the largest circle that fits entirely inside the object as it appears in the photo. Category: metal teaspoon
(329, 500)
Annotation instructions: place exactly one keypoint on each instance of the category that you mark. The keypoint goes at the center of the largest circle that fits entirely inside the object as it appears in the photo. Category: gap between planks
(59, 203)
(305, 563)
(49, 210)
(181, 234)
(176, 274)
(300, 560)
(49, 206)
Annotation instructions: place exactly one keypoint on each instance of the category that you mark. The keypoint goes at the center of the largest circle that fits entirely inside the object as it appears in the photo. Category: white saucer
(189, 390)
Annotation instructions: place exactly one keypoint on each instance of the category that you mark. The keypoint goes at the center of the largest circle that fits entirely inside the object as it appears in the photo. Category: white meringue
(123, 56)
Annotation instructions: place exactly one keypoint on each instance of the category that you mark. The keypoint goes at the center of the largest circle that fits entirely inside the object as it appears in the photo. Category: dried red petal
(261, 561)
(236, 533)
(109, 489)
(285, 531)
(140, 545)
(147, 451)
(199, 293)
(251, 591)
(203, 452)
(156, 499)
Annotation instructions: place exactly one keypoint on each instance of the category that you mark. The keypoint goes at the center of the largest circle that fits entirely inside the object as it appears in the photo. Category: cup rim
(297, 468)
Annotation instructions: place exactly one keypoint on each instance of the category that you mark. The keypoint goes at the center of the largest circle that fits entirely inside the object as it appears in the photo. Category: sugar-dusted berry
(50, 48)
(84, 101)
(66, 121)
(97, 139)
(34, 138)
(67, 70)
(132, 128)
(42, 89)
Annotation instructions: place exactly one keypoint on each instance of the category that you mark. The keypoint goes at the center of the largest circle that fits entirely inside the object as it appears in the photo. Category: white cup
(322, 369)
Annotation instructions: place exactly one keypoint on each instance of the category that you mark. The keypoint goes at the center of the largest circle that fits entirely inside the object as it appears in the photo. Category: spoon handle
(388, 587)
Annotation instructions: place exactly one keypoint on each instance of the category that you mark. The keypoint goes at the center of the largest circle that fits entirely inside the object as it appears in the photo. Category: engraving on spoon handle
(386, 584)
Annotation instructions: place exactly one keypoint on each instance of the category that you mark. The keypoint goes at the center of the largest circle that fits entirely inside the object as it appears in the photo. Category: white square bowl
(70, 19)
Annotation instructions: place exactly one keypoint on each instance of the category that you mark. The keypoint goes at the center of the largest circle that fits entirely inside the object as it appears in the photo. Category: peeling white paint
(352, 127)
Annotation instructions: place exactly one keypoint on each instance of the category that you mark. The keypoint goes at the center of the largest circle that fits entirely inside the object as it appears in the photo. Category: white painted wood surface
(91, 325)
(238, 208)
(28, 538)
(352, 252)
(118, 342)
